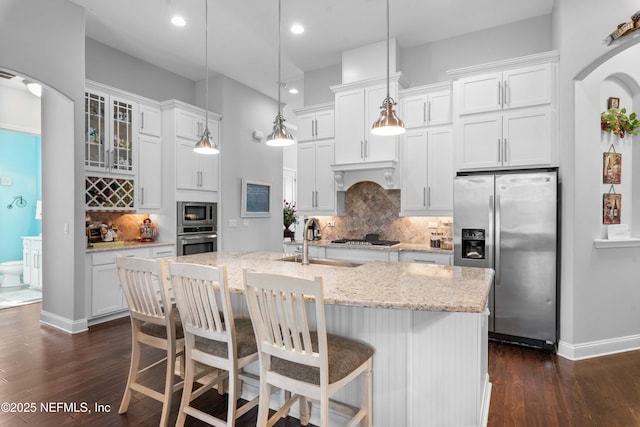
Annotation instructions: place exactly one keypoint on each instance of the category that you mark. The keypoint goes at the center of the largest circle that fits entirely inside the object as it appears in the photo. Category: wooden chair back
(202, 297)
(282, 320)
(146, 292)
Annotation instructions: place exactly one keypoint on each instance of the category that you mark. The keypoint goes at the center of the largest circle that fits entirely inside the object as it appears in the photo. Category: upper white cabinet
(426, 105)
(317, 122)
(183, 125)
(316, 185)
(150, 158)
(110, 132)
(520, 87)
(427, 181)
(357, 108)
(517, 139)
(150, 122)
(505, 114)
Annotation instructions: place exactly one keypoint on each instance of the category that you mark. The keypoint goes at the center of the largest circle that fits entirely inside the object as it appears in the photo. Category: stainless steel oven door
(197, 244)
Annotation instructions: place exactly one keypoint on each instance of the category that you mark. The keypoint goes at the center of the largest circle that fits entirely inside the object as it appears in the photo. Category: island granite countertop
(393, 285)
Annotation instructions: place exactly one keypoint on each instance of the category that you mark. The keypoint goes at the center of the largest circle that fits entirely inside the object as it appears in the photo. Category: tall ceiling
(243, 33)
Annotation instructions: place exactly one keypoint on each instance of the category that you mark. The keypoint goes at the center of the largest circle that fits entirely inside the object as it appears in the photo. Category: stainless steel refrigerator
(508, 222)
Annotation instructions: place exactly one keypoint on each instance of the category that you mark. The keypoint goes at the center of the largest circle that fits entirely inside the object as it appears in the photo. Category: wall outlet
(245, 222)
(433, 224)
(331, 224)
(233, 223)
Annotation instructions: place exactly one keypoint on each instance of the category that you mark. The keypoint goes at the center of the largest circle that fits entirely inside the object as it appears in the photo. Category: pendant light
(388, 123)
(206, 145)
(280, 136)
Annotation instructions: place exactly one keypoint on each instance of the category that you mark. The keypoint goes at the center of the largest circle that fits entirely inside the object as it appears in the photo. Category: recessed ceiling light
(297, 29)
(178, 21)
(293, 90)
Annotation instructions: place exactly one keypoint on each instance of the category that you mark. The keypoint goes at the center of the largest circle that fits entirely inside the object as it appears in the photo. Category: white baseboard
(598, 348)
(62, 323)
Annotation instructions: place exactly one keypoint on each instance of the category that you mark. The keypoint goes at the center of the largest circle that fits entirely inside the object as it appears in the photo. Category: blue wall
(20, 161)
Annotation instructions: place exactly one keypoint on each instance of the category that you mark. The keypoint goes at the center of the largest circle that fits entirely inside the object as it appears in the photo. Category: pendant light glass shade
(206, 145)
(279, 136)
(388, 124)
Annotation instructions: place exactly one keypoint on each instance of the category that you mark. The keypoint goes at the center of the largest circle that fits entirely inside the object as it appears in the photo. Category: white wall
(120, 70)
(48, 46)
(600, 298)
(246, 110)
(429, 63)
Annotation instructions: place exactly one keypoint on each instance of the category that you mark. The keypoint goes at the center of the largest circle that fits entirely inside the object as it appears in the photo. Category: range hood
(383, 173)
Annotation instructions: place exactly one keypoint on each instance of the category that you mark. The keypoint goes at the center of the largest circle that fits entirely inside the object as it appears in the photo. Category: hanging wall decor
(611, 207)
(613, 102)
(611, 166)
(616, 121)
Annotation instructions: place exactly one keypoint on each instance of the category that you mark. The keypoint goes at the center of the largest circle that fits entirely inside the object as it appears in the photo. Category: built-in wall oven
(197, 227)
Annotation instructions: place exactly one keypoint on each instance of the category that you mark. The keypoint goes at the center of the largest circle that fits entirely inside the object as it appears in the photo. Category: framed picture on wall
(611, 208)
(613, 103)
(611, 168)
(256, 198)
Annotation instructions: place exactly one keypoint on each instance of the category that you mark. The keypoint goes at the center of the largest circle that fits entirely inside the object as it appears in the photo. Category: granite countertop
(395, 285)
(119, 244)
(399, 247)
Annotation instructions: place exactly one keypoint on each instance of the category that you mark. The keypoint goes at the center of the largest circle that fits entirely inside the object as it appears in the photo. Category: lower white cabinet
(32, 261)
(107, 296)
(424, 257)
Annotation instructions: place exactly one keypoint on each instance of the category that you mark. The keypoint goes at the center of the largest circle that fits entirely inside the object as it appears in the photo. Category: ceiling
(243, 33)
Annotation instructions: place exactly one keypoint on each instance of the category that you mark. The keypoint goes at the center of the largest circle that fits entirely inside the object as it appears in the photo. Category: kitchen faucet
(305, 239)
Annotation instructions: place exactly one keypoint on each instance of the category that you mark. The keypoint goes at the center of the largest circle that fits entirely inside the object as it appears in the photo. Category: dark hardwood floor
(41, 365)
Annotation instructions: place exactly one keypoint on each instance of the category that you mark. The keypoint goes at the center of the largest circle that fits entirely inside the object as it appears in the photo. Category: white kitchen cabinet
(317, 122)
(150, 122)
(521, 138)
(357, 108)
(149, 158)
(110, 132)
(425, 107)
(107, 296)
(184, 124)
(425, 257)
(32, 261)
(503, 90)
(428, 171)
(316, 185)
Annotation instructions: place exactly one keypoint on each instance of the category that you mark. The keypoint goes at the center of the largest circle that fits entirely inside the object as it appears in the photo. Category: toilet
(11, 272)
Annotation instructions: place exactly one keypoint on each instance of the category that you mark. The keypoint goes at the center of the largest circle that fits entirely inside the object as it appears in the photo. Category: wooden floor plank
(530, 387)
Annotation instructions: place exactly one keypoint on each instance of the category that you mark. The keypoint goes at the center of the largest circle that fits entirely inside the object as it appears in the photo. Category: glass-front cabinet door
(121, 155)
(95, 105)
(109, 134)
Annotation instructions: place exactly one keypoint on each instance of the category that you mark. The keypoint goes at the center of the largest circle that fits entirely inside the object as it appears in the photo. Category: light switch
(233, 223)
(6, 180)
(245, 222)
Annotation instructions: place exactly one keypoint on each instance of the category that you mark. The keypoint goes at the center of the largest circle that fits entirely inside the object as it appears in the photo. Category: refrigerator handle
(496, 243)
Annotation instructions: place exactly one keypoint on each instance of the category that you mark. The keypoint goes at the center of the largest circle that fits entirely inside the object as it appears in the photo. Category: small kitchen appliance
(148, 231)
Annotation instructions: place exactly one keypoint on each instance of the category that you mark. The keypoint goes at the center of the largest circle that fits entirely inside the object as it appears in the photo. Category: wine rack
(109, 193)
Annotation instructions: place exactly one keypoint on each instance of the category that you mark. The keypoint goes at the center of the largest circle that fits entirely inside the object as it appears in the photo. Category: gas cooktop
(363, 242)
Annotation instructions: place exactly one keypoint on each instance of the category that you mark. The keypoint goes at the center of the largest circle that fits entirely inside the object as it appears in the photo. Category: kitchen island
(427, 323)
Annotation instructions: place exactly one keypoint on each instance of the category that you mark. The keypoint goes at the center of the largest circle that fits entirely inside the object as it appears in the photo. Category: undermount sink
(317, 261)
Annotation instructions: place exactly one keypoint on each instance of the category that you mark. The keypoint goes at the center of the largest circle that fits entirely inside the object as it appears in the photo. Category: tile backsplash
(372, 209)
(128, 225)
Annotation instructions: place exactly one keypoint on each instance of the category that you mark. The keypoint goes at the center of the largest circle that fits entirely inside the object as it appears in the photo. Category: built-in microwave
(197, 217)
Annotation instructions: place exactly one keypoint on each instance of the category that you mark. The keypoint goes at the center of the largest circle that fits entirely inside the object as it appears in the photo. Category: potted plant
(616, 121)
(289, 218)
